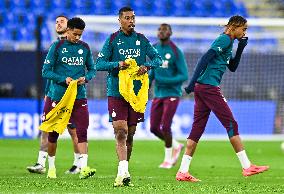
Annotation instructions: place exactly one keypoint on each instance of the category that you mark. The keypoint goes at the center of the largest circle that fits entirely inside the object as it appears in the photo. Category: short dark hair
(63, 16)
(77, 23)
(237, 21)
(124, 9)
(168, 25)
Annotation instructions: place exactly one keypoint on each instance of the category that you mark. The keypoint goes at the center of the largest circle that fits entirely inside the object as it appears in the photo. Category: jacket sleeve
(103, 61)
(47, 86)
(151, 76)
(49, 64)
(90, 64)
(234, 62)
(200, 67)
(182, 71)
(152, 53)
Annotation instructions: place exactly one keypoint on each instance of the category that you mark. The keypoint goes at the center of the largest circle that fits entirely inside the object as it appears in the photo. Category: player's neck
(62, 36)
(126, 32)
(229, 33)
(165, 42)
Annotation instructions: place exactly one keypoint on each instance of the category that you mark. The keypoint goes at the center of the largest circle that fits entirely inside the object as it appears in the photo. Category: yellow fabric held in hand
(58, 118)
(126, 87)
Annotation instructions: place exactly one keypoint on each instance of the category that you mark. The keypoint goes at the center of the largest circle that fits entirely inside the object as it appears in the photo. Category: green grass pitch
(214, 163)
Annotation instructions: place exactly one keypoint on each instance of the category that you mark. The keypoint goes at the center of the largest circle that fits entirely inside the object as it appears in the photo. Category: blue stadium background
(259, 79)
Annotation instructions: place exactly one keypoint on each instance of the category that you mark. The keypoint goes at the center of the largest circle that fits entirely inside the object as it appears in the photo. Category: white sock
(168, 154)
(175, 143)
(51, 162)
(42, 158)
(76, 160)
(243, 159)
(83, 160)
(185, 162)
(122, 168)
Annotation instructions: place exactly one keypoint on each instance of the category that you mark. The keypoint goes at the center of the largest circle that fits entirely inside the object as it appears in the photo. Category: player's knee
(81, 135)
(194, 137)
(131, 131)
(121, 124)
(120, 134)
(72, 133)
(52, 137)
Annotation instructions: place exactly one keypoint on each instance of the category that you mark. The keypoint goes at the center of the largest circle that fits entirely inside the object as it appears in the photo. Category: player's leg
(170, 105)
(52, 145)
(80, 120)
(120, 132)
(133, 119)
(219, 106)
(118, 111)
(129, 140)
(156, 117)
(75, 168)
(201, 115)
(39, 167)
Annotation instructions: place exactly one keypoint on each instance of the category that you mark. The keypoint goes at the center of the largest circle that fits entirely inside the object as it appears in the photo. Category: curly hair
(236, 21)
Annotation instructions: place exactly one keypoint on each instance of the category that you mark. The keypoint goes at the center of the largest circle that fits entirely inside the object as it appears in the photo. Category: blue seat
(163, 8)
(45, 34)
(100, 7)
(116, 5)
(22, 5)
(83, 6)
(14, 33)
(26, 34)
(181, 8)
(20, 18)
(142, 8)
(38, 6)
(5, 35)
(3, 19)
(6, 5)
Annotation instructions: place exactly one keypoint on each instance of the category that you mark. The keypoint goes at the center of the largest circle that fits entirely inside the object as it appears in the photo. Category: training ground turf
(214, 163)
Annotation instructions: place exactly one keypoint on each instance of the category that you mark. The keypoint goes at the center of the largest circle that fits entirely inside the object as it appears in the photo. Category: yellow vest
(58, 118)
(126, 87)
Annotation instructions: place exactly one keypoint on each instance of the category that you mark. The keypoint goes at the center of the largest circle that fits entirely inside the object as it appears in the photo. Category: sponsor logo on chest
(73, 60)
(130, 53)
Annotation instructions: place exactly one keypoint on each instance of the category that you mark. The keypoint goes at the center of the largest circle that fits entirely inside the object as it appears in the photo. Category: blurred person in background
(208, 97)
(167, 92)
(39, 166)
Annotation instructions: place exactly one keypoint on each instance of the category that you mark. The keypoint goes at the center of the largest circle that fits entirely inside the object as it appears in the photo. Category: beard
(60, 32)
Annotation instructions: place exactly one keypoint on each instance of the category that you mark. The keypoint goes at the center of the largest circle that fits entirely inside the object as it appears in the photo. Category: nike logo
(64, 50)
(84, 104)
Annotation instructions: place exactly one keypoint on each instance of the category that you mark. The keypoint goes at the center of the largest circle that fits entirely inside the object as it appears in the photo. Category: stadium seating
(16, 16)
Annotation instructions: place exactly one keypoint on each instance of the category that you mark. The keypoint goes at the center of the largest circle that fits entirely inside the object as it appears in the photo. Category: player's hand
(243, 42)
(81, 80)
(68, 80)
(142, 70)
(189, 88)
(123, 65)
